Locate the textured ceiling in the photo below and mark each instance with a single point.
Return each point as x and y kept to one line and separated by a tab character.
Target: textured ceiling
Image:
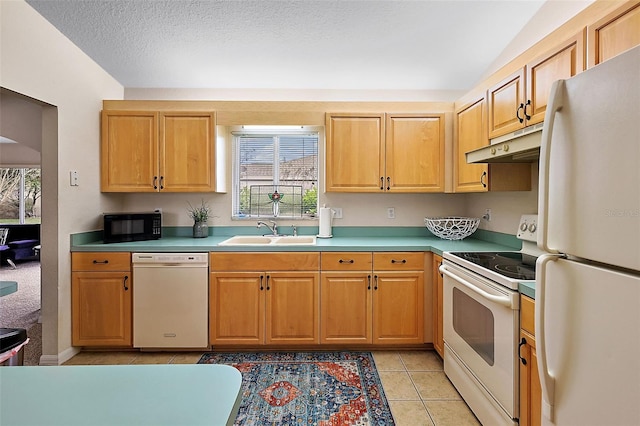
362	45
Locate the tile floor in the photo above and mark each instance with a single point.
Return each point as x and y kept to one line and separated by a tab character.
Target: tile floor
414	382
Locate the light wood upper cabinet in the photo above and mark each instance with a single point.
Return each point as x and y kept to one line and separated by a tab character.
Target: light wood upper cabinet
520	100
614	33
506	104
101	299
563	62
414	153
150	151
385	152
355	152
471	134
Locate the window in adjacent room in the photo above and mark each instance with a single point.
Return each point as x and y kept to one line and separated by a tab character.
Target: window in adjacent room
276	172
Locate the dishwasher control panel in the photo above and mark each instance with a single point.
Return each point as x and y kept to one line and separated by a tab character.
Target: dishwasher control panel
181	258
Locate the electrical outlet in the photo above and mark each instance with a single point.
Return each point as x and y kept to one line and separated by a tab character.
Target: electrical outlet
337	212
391	212
73	178
487	215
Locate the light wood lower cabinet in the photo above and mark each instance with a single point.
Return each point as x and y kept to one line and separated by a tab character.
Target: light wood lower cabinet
264	298
101	299
438	338
346	299
375	298
530	390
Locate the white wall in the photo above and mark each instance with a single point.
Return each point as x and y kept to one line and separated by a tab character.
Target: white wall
38	61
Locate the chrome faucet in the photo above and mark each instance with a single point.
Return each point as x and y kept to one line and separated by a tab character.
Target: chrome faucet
274	229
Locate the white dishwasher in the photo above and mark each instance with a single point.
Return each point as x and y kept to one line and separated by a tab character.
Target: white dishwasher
170	300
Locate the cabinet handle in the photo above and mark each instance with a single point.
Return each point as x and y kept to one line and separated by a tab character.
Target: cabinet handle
161	182
375	279
102	262
484	174
522	342
124	282
369	282
381	183
388	183
261	279
521	107
268	288
346	261
398	261
527	116
155	182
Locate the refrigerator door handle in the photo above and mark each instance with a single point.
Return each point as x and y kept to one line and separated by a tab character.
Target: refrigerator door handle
553	106
547	381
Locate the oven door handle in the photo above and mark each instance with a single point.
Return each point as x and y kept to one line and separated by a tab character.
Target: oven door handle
502	300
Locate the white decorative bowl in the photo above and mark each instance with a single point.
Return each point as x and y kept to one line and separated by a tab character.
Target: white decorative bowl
452	228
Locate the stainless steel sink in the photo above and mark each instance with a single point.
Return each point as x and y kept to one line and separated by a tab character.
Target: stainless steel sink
258	240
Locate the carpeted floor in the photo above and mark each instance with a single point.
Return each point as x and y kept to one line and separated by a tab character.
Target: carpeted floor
22	308
308	388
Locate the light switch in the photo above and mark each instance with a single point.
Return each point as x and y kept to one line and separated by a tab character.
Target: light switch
73	178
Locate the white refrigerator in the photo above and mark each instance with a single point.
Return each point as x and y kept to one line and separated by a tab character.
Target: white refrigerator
588	281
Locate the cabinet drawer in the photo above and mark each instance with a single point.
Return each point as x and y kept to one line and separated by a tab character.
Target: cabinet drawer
346	261
282	261
527	314
398	261
100	261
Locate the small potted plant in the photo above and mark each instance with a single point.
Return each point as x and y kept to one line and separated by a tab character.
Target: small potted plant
200	216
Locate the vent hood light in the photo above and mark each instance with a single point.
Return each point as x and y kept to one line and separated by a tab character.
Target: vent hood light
522	146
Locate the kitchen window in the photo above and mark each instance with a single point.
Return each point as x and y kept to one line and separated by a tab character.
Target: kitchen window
275	172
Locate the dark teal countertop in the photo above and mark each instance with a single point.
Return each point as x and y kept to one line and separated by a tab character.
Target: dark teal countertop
528	289
179	239
345	239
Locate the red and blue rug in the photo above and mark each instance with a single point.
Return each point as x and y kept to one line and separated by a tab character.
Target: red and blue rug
307	388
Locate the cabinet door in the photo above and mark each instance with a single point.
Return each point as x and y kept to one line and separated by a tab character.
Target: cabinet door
504	100
345	307
355	152
471	125
438	340
187	148
562	63
236	308
398	307
613	34
101	309
292	314
414	153
129	151
530	389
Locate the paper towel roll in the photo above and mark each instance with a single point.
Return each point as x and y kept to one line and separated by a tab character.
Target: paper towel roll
325	216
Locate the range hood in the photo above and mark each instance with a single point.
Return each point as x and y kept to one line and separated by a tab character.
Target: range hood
521	146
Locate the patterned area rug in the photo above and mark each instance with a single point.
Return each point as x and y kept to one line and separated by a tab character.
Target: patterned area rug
307	388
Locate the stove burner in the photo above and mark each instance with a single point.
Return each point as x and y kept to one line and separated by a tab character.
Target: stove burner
480	256
516	271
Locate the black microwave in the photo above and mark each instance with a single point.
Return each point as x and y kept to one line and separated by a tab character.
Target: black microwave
123	227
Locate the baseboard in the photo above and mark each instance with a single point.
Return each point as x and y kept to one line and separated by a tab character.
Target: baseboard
61	358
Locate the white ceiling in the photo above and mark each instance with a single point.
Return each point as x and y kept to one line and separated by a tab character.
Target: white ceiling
303	44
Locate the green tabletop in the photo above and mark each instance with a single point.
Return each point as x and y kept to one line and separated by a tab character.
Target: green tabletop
8	287
200	394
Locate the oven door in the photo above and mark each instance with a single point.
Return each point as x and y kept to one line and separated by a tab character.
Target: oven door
481	322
